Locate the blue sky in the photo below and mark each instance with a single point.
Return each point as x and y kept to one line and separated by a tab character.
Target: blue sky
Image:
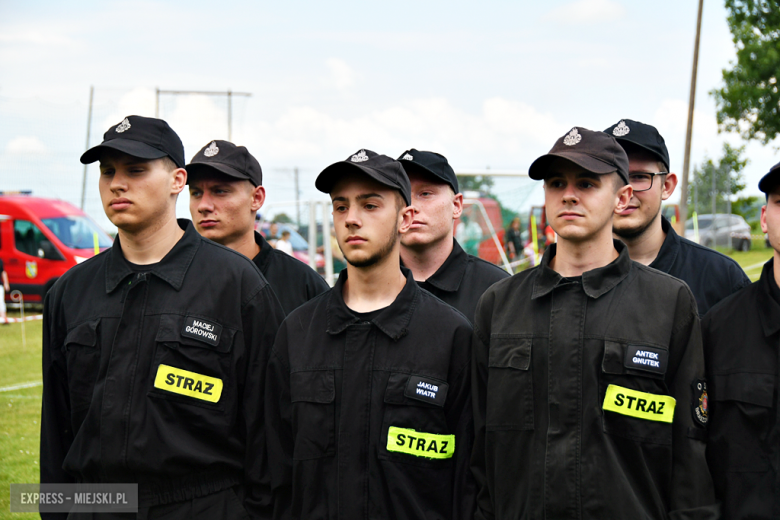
486	84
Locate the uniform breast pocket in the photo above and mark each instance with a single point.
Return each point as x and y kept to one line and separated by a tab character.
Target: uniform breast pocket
742	405
414	425
633	395
510	385
192	362
82	351
313	395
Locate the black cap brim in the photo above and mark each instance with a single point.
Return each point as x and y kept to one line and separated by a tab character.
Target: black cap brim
194	168
328	178
411	166
654	153
128	146
771	180
539	169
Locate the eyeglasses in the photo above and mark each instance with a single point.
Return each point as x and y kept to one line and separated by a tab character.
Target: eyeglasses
642	181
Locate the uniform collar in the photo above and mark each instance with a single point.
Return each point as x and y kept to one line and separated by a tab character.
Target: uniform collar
450	274
768	308
262	258
669	249
595	282
171	269
393	320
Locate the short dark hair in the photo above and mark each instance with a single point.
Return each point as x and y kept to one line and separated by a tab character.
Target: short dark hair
400	202
168	163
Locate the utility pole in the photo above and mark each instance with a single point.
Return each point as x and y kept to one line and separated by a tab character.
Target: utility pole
689	131
89	128
297	199
230	115
229	93
714	224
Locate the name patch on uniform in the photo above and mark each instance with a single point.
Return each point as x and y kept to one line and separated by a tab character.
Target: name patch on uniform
641	405
425	389
648	359
202	330
184	382
419	444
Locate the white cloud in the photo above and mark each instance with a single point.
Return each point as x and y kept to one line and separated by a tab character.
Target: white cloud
512	129
341	76
25	145
138	102
584	12
36	37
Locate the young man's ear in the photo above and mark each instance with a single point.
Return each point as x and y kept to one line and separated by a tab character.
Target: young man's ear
258	197
179	181
670	183
406	218
623	197
457	206
764	229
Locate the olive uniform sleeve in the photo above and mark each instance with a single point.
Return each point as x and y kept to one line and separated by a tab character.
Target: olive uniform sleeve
479	375
278	418
262	316
691	490
56	429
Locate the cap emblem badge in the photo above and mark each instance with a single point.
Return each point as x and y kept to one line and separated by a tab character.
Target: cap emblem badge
621	129
572	137
407	157
123	126
360	156
212	150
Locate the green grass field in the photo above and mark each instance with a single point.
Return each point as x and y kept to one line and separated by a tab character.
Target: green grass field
21	407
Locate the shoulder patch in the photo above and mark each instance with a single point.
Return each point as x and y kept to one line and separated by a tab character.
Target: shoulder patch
700	404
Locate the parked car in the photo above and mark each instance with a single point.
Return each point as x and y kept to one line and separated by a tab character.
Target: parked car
40	239
716	232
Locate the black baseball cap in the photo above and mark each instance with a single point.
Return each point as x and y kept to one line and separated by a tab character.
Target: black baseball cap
142	137
430	163
596	152
771	180
642	135
381	168
226	158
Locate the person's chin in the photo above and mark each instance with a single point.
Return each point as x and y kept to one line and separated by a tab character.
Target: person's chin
415	240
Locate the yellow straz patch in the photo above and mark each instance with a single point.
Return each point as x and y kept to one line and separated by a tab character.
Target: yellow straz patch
428	445
188	383
638	404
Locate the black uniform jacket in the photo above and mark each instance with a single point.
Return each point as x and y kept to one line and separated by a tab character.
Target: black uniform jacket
462	279
710	275
741	345
294	282
574	383
371	419
157	378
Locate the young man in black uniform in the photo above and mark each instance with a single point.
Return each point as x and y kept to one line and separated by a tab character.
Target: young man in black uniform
226	191
650	238
154	351
368	398
741	347
429	249
585	367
